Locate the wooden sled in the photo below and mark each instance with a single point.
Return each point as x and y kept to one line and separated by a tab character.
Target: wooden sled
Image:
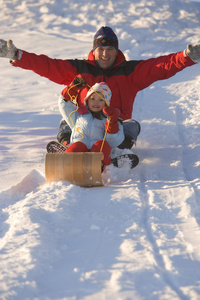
80	168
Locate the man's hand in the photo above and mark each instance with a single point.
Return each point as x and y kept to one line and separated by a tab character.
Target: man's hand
79	82
193	52
8	49
70	92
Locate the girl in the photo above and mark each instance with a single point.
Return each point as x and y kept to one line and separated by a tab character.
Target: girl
95	126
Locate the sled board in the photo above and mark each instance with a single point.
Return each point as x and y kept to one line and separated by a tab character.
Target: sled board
80	168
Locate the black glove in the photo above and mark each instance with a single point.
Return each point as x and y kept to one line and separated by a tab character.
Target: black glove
8	49
79	82
70	92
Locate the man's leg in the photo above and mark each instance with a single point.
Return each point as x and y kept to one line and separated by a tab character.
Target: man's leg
64	132
131	131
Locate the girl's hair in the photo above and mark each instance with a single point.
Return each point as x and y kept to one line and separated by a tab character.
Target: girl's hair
98	115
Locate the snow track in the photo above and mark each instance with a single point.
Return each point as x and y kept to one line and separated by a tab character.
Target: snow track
169	240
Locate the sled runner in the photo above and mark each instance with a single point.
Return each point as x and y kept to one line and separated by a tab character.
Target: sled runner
80	168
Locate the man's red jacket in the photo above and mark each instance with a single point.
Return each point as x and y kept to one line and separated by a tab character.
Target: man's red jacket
125	78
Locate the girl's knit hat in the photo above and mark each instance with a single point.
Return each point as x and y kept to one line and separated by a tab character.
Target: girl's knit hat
102	88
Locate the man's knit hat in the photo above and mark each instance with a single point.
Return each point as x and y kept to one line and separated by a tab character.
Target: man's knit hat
102	88
105	36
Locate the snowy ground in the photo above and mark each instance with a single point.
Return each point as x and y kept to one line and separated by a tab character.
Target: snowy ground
138	236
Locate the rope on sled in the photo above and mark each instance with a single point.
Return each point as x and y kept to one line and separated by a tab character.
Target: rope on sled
73	99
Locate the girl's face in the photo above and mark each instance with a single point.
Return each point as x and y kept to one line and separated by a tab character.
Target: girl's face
96	102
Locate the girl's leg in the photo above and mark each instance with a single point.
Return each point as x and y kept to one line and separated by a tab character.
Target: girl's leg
106	151
77	147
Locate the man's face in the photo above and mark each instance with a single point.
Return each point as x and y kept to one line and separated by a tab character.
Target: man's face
105	56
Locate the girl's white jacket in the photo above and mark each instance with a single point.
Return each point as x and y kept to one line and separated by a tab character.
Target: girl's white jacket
86	128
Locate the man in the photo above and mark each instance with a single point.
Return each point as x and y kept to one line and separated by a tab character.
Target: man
105	63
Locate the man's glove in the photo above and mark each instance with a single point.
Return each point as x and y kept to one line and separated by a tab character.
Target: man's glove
193	52
70	92
79	82
111	125
8	49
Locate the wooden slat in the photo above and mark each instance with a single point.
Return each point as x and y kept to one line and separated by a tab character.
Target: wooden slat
80	168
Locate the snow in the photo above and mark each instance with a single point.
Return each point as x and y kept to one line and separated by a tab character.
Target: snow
138	236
